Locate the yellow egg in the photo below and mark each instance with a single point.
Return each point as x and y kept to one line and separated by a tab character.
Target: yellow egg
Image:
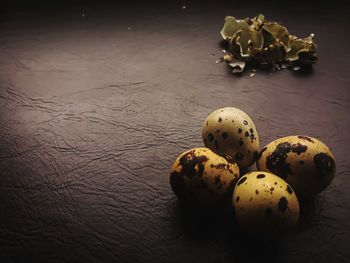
265	205
201	177
231	132
306	163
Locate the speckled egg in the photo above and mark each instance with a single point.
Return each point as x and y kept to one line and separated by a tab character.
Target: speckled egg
201	177
306	163
230	131
265	205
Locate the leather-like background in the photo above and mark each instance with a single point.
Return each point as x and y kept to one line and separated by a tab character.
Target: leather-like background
96	102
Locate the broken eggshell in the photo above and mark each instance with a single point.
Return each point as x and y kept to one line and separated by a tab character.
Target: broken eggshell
303	50
265	42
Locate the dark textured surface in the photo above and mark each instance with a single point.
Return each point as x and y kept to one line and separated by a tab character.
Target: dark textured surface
96	107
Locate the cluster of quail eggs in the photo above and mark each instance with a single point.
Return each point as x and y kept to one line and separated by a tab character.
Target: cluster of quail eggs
265	202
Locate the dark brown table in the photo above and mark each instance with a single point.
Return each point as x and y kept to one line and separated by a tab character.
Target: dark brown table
98	98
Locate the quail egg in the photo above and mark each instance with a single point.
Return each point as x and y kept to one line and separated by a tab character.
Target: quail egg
231	132
265	205
201	177
305	163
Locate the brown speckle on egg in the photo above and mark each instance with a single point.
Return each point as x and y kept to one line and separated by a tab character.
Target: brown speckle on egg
242	180
283	204
299	148
324	164
306	138
276	162
239	156
259	176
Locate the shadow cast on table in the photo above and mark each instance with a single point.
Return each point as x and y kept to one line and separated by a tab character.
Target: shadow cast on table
310	209
200	226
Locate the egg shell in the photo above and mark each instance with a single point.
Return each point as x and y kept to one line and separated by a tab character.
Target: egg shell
231	132
264	204
201	177
306	163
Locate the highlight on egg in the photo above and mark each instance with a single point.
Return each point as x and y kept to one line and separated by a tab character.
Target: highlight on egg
304	162
231	132
201	177
265	205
